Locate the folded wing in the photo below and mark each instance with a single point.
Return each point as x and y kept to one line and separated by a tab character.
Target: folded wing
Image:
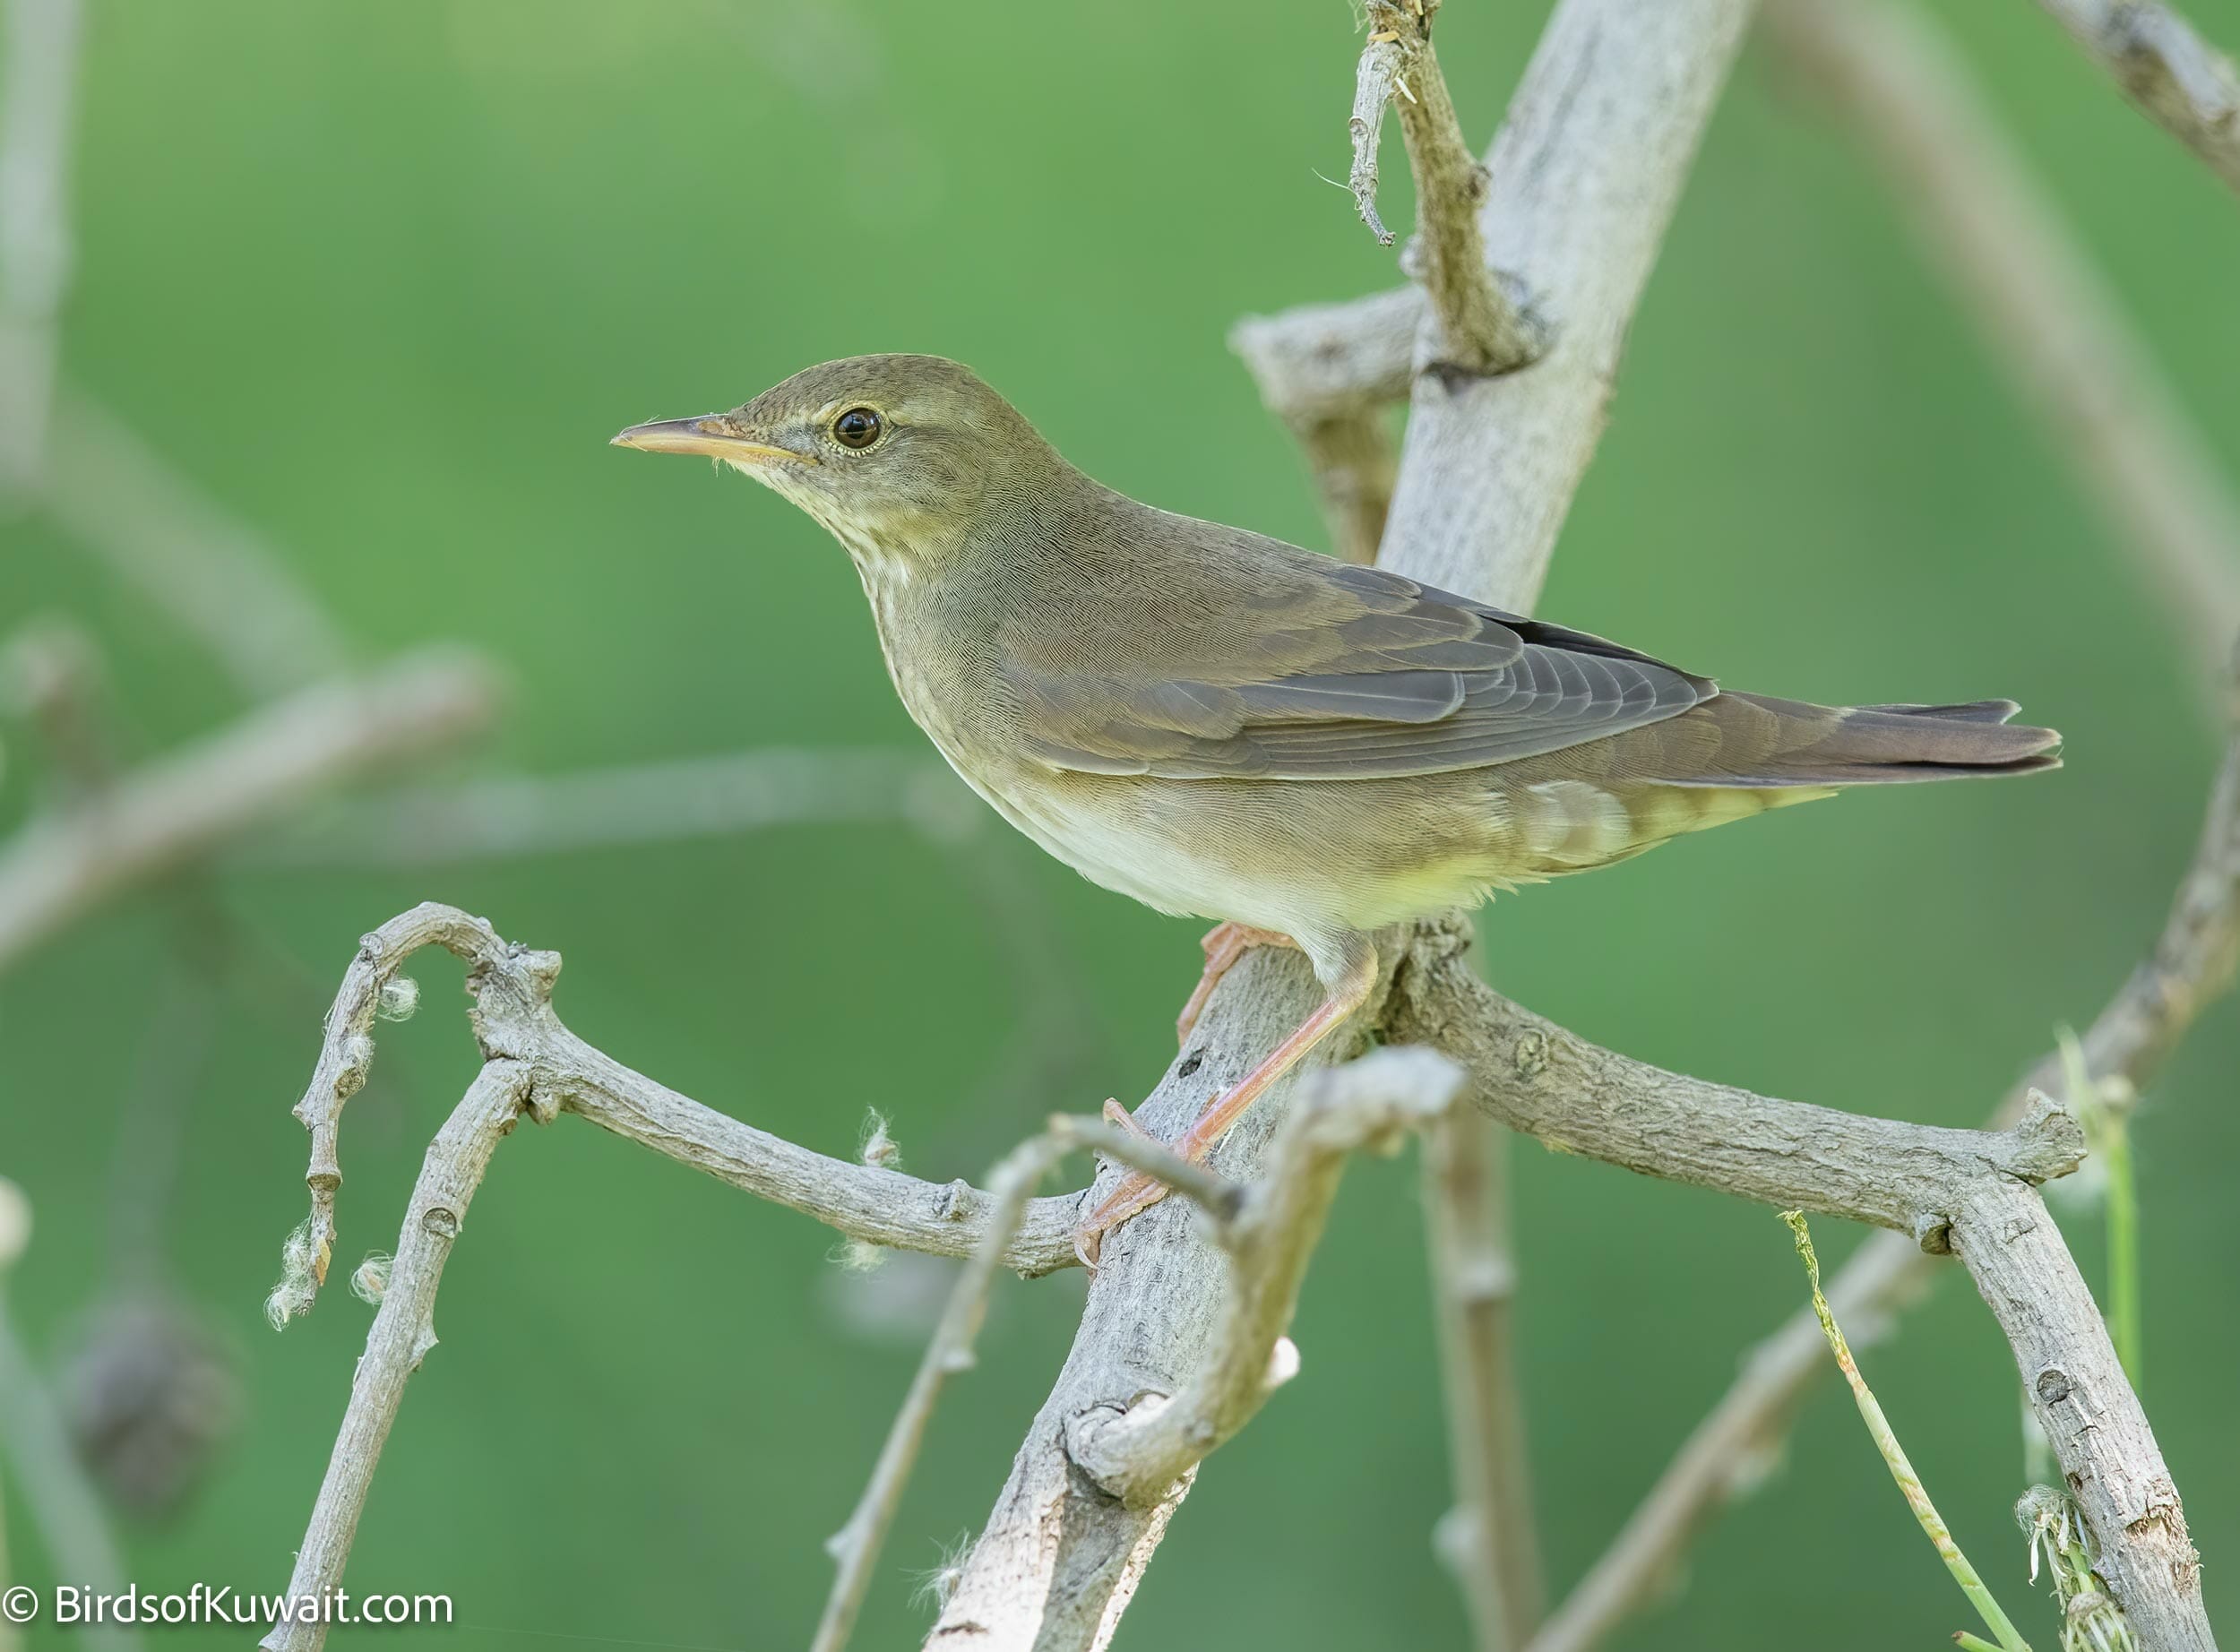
1370	677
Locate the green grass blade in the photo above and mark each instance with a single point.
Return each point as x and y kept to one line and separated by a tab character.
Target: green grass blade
1901	1467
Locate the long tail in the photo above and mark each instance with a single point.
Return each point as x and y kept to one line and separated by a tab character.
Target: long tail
1736	755
1757	741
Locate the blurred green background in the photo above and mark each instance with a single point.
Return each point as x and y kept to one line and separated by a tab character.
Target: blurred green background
384	279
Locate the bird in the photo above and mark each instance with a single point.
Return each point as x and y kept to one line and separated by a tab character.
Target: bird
1227	726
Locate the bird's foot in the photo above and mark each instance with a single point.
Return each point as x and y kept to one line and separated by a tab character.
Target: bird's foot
1224	944
1137	1193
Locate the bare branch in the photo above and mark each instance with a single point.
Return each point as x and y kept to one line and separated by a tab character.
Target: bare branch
879	1206
1373	82
1490	1537
2079	1393
2054	325
1543	1080
1306	379
1550	1084
1136	1451
855	1546
2191	965
1581	190
2178	81
533	1064
403	1331
184	804
1475	327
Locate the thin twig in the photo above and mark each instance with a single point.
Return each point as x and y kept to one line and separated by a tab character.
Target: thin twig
2054	325
864	1202
1219	1198
2178	81
403	1333
1138	1453
1493	1537
1373	77
1476	328
855	1546
187	804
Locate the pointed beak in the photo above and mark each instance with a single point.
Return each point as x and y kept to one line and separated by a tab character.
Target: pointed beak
709	436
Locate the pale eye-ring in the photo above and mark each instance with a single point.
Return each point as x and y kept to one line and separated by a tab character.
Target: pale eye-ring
858	427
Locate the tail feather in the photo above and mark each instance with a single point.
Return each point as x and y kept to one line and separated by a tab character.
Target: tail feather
1763	742
1973	711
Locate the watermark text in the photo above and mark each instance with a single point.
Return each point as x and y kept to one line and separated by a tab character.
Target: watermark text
69	1606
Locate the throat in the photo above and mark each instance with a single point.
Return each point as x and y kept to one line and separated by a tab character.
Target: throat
886	574
877	562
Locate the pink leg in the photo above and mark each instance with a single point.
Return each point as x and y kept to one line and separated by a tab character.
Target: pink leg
1224	944
1140	1192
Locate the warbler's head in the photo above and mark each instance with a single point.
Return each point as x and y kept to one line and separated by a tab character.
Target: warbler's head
896	455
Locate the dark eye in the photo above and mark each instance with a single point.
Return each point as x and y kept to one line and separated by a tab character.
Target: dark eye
856	427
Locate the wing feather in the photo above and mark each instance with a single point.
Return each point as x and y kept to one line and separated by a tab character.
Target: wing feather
1376	676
